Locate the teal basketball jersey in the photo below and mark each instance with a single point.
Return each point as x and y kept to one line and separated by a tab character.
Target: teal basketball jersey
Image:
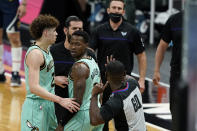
94	77
46	73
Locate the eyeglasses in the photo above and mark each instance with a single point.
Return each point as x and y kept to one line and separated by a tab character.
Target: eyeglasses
34	128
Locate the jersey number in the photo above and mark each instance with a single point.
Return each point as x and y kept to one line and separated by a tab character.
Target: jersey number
136	103
53	81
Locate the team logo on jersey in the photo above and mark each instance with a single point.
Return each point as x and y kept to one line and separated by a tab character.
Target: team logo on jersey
94	73
34	128
50	65
124	33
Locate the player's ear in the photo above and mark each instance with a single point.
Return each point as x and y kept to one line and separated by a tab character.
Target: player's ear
123	12
44	32
65	30
108	10
124	76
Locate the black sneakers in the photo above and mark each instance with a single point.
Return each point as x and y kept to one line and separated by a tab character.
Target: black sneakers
2	78
16	79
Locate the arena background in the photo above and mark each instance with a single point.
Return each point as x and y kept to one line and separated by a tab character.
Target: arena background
156	106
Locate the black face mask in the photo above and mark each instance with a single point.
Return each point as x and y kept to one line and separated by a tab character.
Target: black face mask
115	17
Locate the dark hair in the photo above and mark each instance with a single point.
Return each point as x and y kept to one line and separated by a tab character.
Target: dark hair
82	34
71	18
115	68
116	0
40	23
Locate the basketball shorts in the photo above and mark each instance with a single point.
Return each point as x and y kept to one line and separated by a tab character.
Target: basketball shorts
9	21
81	122
38	114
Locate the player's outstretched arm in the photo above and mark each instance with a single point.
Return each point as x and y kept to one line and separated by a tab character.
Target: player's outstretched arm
95	116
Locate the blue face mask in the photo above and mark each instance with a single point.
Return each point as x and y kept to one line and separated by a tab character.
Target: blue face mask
115	17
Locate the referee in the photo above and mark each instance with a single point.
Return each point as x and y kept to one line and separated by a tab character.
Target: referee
125	103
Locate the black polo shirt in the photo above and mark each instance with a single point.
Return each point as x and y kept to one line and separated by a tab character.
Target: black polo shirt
62	59
173	32
121	43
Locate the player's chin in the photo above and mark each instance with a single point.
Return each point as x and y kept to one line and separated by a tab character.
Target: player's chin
74	54
53	41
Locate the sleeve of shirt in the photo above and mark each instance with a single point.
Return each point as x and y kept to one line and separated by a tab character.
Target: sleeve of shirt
111	109
166	32
93	39
138	43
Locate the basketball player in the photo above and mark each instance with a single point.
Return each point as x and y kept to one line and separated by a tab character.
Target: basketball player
38	108
84	73
63	62
10	13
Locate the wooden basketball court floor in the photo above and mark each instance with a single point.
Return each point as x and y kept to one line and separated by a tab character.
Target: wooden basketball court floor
11	101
